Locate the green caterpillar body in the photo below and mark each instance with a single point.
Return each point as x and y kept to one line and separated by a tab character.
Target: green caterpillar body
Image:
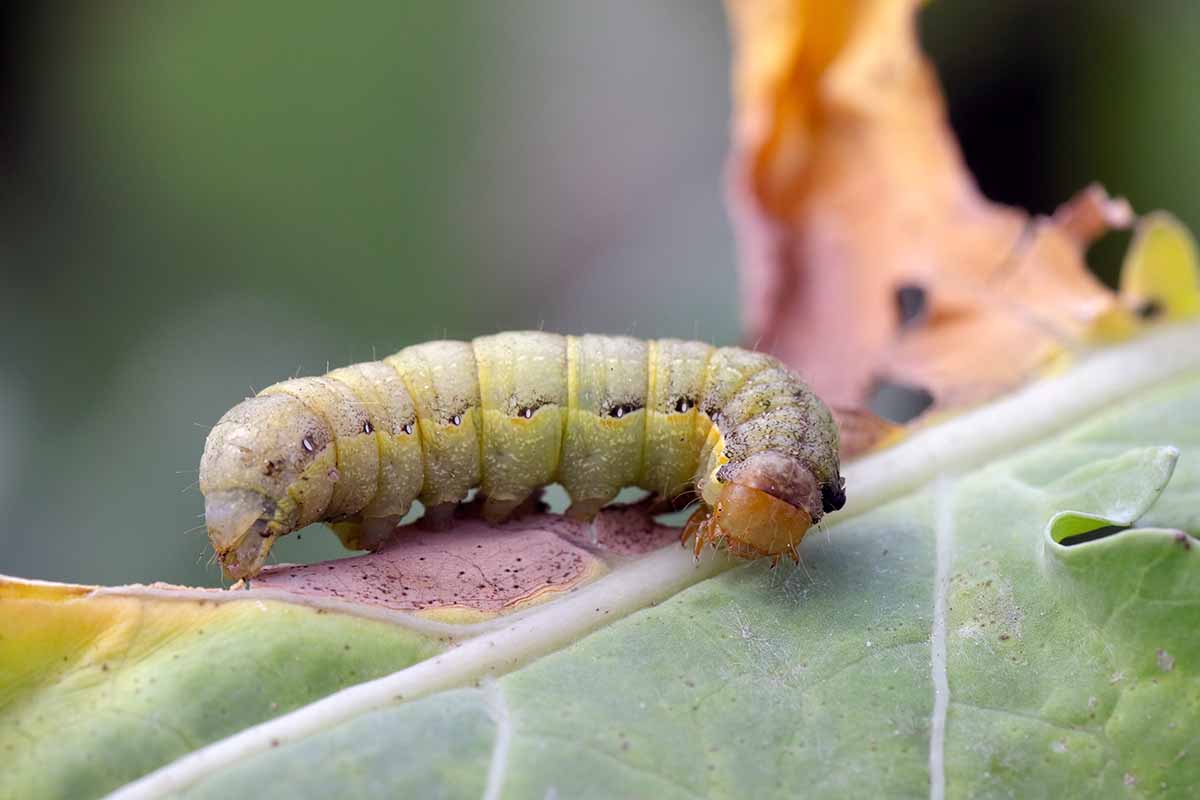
509	414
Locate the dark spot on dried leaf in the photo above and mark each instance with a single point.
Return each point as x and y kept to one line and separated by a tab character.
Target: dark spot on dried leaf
898	402
910	304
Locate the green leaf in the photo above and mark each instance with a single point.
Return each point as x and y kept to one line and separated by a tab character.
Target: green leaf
98	688
1009	606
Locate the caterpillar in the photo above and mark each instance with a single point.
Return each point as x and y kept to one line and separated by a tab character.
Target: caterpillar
510	413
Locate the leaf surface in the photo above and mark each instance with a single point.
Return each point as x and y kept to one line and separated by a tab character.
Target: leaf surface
97	687
1067	666
963	571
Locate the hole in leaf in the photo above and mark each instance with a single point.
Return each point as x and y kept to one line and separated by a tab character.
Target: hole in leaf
1102	532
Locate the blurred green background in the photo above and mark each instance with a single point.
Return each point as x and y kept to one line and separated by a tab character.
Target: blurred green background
203	198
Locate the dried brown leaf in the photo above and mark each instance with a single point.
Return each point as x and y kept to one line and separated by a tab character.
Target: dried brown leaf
850	194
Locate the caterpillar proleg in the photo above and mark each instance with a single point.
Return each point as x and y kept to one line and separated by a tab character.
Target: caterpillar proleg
510	413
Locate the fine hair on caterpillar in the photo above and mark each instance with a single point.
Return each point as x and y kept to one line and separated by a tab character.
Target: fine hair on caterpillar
511	413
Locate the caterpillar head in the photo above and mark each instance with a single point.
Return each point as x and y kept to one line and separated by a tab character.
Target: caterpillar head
766	505
265	472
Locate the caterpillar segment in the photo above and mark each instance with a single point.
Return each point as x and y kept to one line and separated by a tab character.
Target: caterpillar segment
507	415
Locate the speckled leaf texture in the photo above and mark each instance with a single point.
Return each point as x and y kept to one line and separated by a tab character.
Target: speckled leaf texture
1011	608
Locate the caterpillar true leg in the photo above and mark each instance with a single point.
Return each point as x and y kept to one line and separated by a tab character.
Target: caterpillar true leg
366	534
